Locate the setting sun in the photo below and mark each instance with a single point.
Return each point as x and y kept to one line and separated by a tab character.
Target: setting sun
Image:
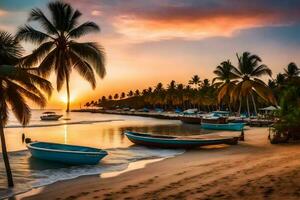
63	98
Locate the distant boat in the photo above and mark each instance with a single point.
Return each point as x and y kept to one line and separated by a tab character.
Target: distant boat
227	126
190	119
50	116
187	142
68	154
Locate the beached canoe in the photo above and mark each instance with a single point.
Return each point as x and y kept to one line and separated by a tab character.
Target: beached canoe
185	142
68	154
228	126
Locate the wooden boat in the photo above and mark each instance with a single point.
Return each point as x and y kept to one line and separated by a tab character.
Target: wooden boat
190	119
227	126
68	154
215	120
164	141
50	116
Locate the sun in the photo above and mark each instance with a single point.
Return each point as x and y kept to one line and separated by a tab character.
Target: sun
64	98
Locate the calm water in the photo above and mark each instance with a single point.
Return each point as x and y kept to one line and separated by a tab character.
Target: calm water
94	130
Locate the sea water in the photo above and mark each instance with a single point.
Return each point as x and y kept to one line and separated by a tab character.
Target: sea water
86	129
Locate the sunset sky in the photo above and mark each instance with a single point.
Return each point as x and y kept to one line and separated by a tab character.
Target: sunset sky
150	41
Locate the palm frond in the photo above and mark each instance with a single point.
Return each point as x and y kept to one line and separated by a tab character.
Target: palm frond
92	53
10	49
38	15
83	29
18	105
47	65
36	97
74	20
37	55
84	69
29	34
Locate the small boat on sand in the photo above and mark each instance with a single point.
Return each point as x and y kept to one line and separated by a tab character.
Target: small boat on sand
185	142
50	116
226	126
68	154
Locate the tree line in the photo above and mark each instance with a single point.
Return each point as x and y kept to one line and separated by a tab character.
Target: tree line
237	88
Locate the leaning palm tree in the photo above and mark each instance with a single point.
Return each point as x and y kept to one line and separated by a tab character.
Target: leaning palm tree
225	80
58	51
16	86
249	71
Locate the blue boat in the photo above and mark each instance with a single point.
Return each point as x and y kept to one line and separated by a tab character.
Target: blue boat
227	126
184	142
68	154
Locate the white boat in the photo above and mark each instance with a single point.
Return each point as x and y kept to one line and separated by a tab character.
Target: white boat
50	116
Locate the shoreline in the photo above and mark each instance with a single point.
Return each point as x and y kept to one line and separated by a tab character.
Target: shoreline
131	167
253	169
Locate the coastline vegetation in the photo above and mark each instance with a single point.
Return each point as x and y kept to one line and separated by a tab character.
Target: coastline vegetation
232	89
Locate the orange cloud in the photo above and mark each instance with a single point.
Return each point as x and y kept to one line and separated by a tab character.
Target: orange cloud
141	29
2	13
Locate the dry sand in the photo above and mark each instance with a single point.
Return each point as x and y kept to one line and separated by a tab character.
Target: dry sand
254	169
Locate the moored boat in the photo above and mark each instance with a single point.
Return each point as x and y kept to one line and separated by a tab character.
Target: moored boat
184	142
50	116
227	126
68	154
191	119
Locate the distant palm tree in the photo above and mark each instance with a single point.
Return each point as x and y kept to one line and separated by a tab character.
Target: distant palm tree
103	98
58	51
123	95
280	79
110	97
16	86
137	93
195	81
225	78
130	93
87	104
249	70
116	96
292	71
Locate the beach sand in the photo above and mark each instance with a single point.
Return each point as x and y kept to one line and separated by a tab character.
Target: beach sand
254	169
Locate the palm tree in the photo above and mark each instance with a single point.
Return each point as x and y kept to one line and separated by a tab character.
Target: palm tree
137	93
103	98
195	80
110	97
16	86
249	70
116	96
58	51
225	77
130	93
292	71
123	95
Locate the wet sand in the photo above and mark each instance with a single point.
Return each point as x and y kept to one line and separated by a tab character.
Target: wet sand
254	169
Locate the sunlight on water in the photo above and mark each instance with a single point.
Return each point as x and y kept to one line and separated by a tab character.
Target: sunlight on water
86	129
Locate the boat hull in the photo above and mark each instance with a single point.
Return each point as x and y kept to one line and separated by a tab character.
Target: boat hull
228	126
51	118
191	120
174	142
67	157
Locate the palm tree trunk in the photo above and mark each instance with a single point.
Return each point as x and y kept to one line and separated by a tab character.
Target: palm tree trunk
254	104
248	109
68	94
5	158
240	106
